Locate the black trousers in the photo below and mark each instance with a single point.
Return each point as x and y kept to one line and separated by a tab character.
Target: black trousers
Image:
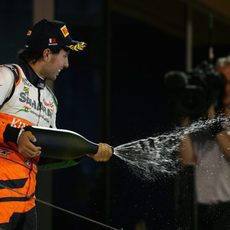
22	221
214	217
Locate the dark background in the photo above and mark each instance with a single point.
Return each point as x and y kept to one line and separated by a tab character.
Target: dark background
114	92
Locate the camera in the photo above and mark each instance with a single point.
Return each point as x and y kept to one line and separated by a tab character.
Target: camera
191	93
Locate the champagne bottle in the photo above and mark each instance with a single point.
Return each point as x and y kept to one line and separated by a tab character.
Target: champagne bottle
61	144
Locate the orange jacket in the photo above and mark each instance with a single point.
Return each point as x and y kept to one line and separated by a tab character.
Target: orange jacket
26	102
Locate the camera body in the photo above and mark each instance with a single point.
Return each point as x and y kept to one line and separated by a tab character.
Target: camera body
192	93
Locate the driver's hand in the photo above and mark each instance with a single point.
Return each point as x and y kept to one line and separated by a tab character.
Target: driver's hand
26	145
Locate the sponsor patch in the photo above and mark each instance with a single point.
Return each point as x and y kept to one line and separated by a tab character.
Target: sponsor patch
26	89
52	41
49	104
64	31
78	47
25	109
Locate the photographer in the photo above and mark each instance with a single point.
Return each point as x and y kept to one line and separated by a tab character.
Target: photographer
192	93
208	151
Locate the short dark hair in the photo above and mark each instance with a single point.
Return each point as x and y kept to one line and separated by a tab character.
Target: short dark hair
30	55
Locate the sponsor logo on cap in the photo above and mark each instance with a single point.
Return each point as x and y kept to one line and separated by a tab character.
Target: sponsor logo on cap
64	31
77	47
52	41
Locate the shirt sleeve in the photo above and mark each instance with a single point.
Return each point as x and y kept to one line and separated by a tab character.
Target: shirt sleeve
6	83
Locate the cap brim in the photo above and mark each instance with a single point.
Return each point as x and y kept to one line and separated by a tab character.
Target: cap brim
76	45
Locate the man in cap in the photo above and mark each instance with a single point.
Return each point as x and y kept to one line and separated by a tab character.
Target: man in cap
26	100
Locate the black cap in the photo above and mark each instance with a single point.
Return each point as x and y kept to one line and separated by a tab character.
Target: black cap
46	34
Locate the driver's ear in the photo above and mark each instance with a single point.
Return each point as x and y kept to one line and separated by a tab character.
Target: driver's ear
46	54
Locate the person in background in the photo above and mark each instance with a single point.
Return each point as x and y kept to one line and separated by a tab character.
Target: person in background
209	152
26	100
223	66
